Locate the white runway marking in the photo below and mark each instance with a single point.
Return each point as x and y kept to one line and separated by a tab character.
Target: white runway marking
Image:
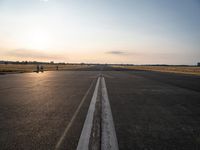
84	139
60	141
108	136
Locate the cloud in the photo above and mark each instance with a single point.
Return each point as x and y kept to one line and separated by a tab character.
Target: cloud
140	57
33	54
116	52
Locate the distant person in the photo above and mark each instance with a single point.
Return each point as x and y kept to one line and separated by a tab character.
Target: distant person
41	68
38	68
56	67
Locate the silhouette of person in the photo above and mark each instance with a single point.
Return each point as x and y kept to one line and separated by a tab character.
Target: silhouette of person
42	68
38	68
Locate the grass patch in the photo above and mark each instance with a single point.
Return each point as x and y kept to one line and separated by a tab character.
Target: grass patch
193	70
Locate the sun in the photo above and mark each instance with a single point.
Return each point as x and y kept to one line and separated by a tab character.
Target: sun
37	39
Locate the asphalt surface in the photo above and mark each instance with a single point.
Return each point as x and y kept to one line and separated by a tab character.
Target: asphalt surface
151	110
36	108
155	111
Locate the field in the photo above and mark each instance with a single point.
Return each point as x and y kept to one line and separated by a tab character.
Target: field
21	68
194	70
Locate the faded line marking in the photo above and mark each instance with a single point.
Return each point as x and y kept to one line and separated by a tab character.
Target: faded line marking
59	143
108	76
84	139
108	136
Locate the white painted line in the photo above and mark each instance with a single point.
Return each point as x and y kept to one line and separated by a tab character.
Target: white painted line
108	136
60	141
84	139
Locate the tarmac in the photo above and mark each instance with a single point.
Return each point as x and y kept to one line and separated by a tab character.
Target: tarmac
150	110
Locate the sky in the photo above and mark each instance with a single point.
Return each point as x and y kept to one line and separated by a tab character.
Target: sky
101	31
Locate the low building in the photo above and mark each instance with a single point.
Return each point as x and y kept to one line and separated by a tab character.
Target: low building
198	64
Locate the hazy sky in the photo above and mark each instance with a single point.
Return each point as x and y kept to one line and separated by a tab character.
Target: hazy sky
103	31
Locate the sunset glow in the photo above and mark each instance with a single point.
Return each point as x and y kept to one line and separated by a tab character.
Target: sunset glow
139	32
36	39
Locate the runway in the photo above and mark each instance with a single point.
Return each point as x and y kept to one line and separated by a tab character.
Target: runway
150	110
155	113
35	109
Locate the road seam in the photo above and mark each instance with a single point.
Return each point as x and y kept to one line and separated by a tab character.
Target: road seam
60	141
108	76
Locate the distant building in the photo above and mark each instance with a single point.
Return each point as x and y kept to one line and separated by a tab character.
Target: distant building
198	64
